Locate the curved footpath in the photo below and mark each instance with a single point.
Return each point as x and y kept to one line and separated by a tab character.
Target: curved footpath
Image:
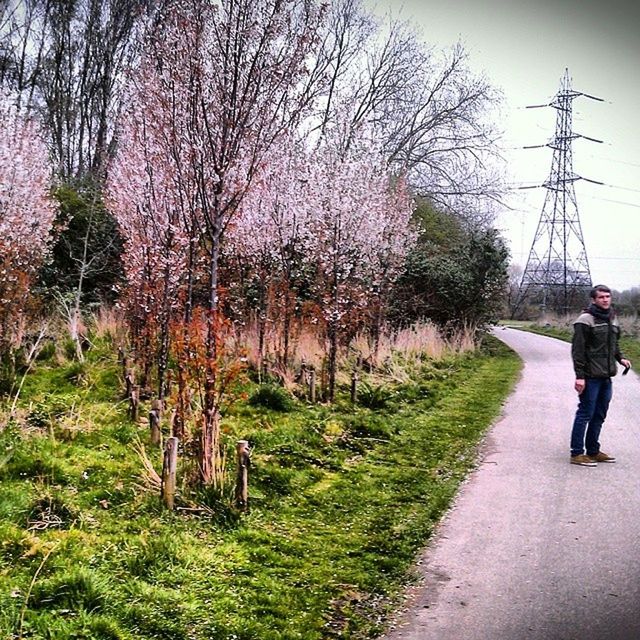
535	548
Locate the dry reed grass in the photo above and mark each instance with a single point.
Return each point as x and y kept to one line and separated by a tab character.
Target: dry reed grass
401	355
630	325
107	323
305	347
397	356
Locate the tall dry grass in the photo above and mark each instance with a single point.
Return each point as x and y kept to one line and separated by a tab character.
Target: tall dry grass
108	323
424	339
397	355
400	355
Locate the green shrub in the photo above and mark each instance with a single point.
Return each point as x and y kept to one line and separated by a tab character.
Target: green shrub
372	426
51	408
272	397
38	416
276	480
77	373
69	348
124	432
35	463
14	541
9	439
415	392
218	499
12	365
101	628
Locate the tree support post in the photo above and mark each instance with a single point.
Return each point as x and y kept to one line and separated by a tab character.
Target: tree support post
312	386
169	467
243	457
154	422
354	387
134	402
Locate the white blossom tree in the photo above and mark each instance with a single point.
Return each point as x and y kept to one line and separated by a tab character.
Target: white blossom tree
146	194
272	233
360	235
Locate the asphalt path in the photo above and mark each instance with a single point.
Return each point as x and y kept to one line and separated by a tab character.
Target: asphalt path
535	548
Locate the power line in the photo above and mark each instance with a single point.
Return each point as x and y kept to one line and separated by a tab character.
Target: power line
591	258
524	187
632	164
613	186
626	204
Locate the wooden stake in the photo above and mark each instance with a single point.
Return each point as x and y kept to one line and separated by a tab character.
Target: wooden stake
354	386
154	422
243	454
134	402
312	386
130	381
169	467
324	384
302	376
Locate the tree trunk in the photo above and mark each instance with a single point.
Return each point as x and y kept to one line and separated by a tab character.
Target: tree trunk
210	425
286	328
333	358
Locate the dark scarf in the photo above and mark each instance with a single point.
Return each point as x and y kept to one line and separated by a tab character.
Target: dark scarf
604	315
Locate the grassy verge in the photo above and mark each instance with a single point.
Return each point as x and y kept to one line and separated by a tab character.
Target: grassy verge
629	344
342	498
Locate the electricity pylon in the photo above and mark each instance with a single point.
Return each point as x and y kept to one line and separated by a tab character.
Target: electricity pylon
557	270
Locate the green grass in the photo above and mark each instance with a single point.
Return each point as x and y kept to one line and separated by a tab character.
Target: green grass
629	344
342	498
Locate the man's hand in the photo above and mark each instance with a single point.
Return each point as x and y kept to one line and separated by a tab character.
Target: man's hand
625	363
579	385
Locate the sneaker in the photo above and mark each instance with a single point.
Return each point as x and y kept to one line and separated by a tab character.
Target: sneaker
584	461
602	457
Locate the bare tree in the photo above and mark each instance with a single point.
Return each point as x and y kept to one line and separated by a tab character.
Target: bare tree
428	109
66	59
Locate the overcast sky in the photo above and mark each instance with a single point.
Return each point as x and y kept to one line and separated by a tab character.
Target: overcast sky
523	49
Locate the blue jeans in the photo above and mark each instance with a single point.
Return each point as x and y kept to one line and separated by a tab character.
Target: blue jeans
592	410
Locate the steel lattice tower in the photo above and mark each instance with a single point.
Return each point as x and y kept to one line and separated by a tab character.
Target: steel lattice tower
557	270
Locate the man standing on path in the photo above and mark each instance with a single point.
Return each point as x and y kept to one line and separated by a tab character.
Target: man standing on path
595	351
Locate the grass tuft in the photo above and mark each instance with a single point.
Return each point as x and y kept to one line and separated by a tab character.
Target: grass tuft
77	589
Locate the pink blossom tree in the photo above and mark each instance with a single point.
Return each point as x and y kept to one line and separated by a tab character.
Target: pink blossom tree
396	236
231	77
27	214
146	196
